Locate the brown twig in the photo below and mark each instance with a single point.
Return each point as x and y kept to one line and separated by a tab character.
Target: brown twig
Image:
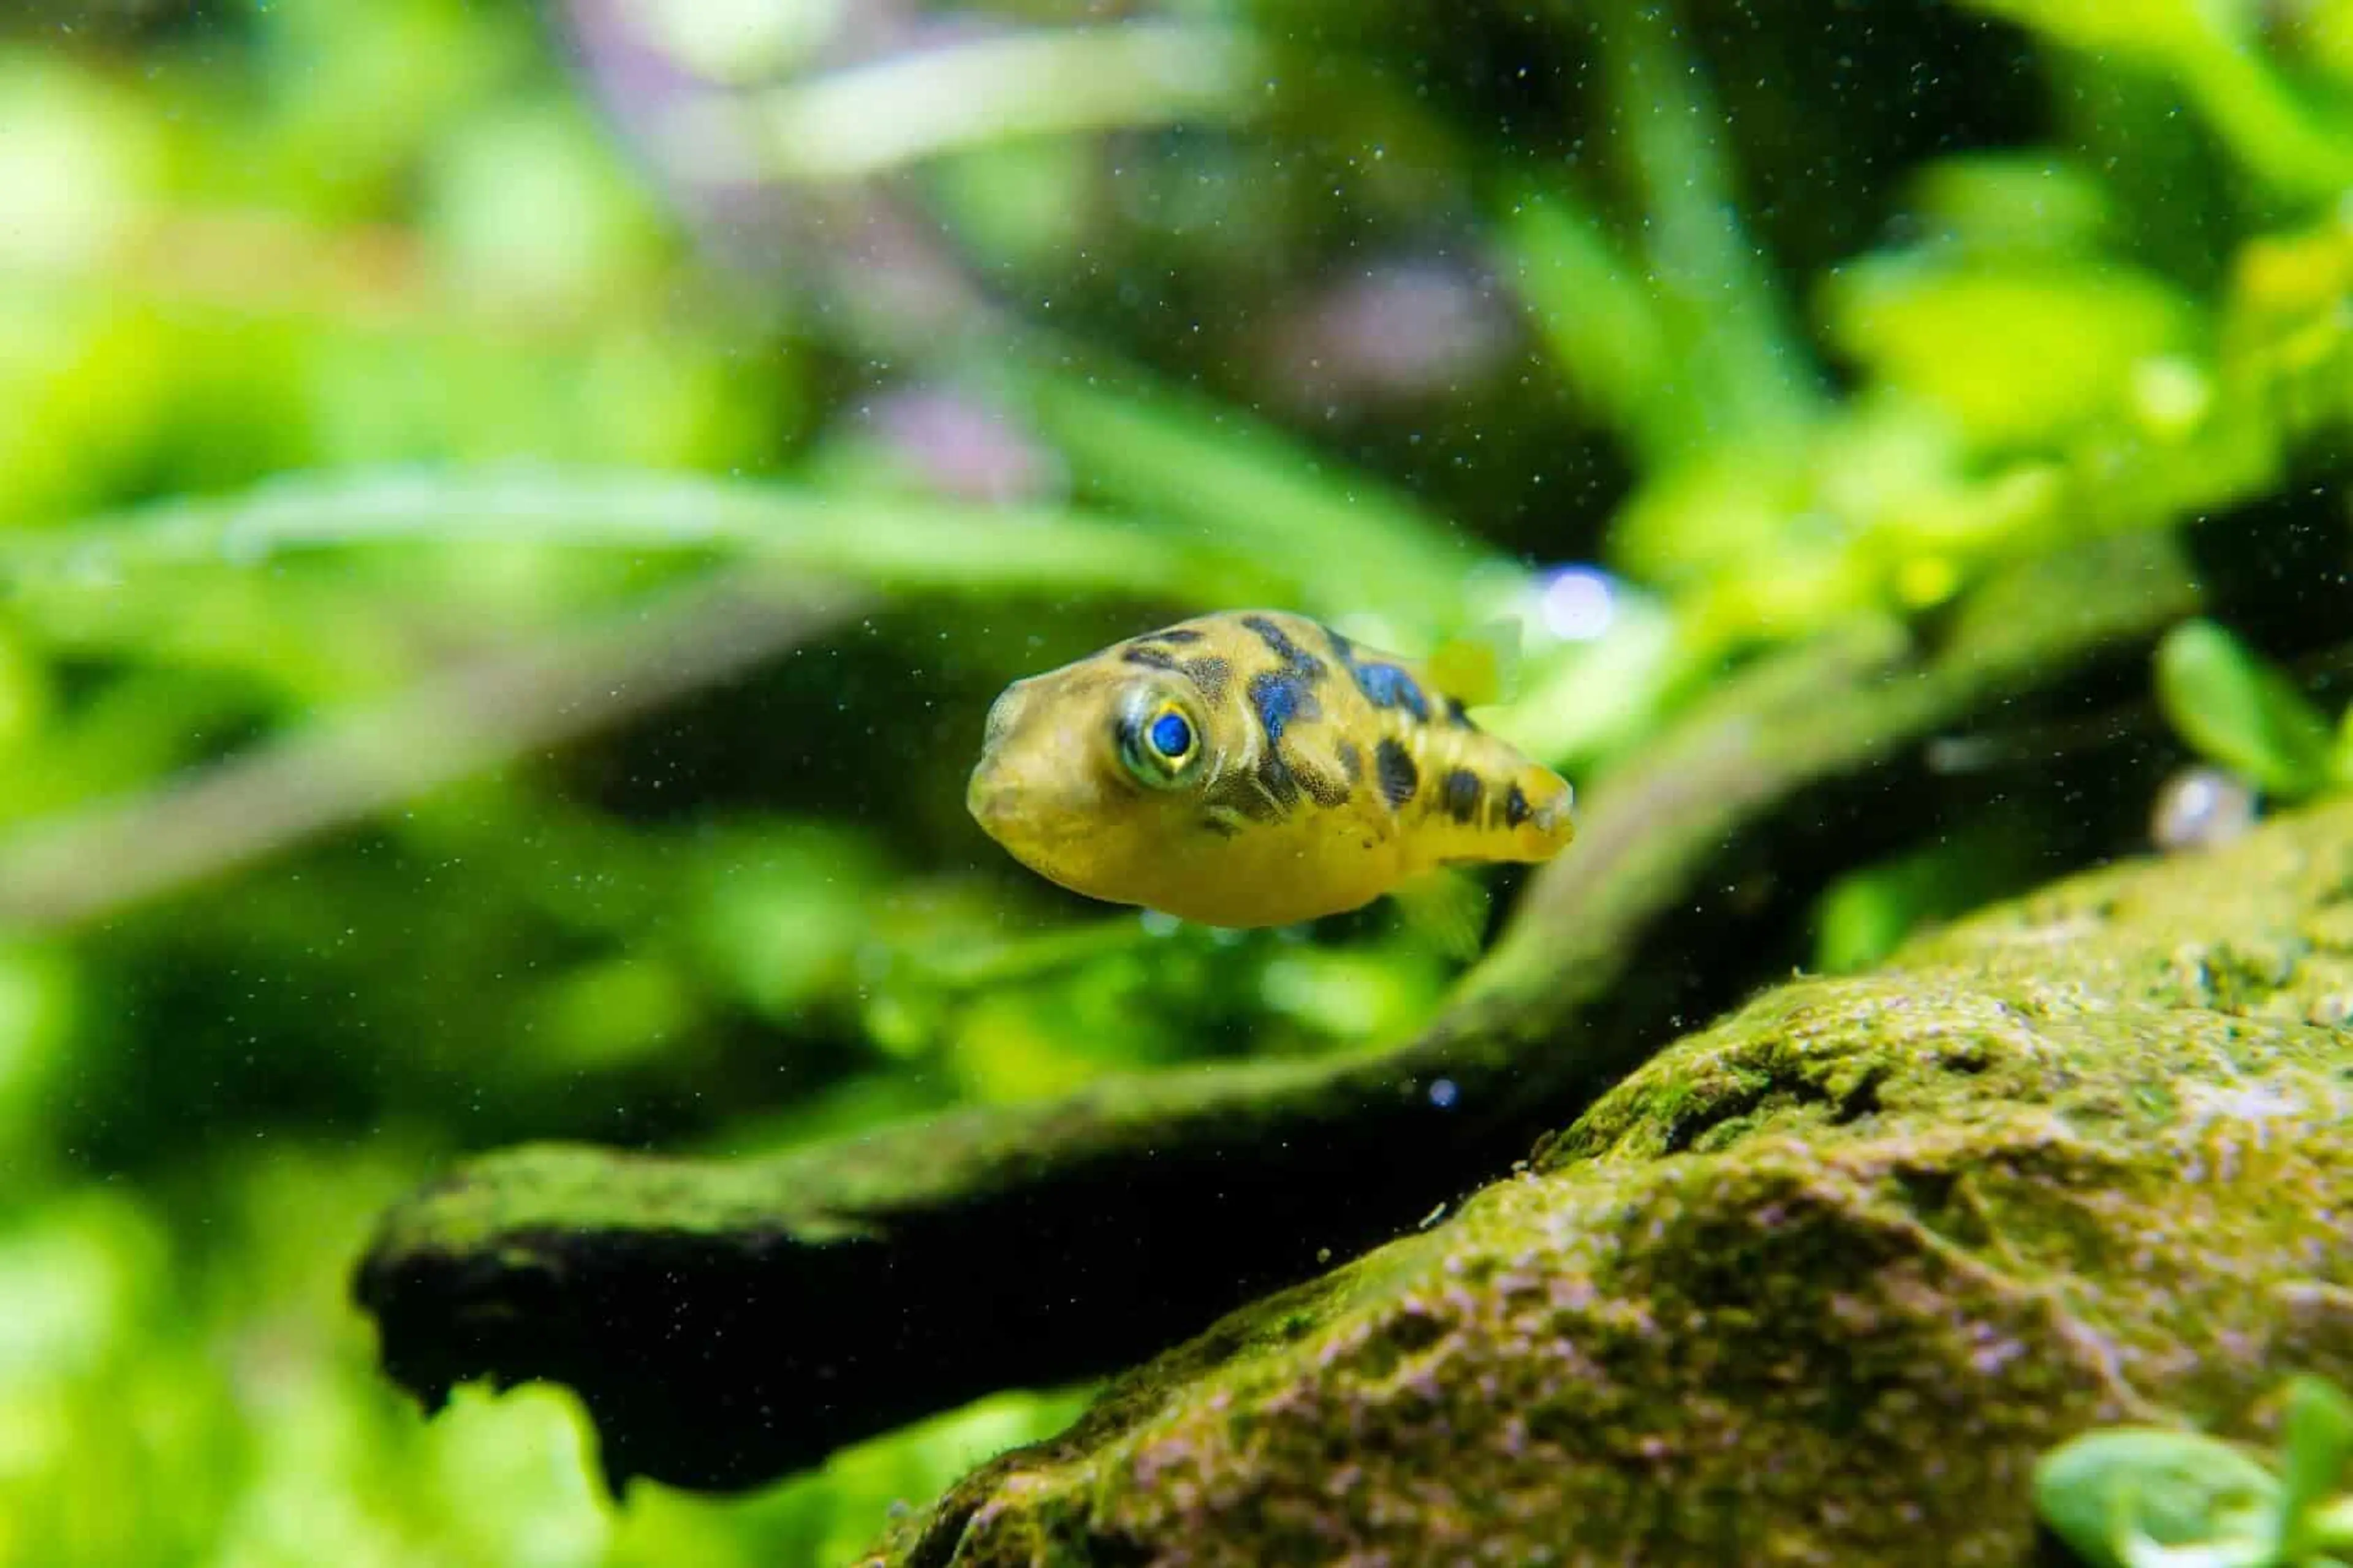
460	721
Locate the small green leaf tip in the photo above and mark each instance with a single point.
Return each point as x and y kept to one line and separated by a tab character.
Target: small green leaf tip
2132	1496
2318	1440
2238	710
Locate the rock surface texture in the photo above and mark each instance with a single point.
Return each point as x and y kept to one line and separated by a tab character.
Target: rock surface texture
1814	1286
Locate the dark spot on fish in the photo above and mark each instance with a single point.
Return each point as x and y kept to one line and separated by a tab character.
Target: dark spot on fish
1456	716
1303	666
1461	792
1386	686
1400	778
1175	635
1148	657
1352	762
1277	698
1515	808
1218	826
1210	675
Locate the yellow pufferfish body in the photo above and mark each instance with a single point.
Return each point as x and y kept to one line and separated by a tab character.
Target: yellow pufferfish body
1253	768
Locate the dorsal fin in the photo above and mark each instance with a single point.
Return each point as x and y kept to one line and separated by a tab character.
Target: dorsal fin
1478	667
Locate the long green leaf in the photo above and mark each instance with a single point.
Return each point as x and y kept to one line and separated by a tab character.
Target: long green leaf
888	544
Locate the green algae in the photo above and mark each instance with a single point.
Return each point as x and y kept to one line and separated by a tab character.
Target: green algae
1818	1284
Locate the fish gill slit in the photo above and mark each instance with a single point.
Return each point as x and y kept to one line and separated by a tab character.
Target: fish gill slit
1246	795
1236	790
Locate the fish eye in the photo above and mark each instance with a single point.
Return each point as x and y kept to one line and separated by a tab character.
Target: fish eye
1158	744
1170	735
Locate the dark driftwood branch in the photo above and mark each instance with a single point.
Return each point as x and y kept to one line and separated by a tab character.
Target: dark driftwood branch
727	1323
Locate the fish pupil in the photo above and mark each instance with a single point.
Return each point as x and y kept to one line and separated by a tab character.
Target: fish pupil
1170	735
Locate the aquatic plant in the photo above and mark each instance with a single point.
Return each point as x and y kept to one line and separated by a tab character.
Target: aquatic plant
2133	1496
2236	708
510	518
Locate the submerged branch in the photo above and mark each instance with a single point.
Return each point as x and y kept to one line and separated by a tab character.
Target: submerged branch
729	1321
459	722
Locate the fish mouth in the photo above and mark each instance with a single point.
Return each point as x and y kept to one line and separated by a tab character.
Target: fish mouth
1004	810
1035	838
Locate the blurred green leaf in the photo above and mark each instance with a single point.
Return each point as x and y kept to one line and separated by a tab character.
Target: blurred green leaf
2210	49
900	544
1975	340
2120	1495
1732	342
1586	298
41	1012
1865	915
2315	1442
622	1009
866	119
1347	545
2010	204
2236	709
782	911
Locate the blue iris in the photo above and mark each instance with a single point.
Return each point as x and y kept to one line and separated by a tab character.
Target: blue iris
1170	735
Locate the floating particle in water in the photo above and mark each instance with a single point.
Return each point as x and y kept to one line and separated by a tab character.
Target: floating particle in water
2201	808
1442	1092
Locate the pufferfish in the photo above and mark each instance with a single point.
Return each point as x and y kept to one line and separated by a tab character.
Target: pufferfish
1257	768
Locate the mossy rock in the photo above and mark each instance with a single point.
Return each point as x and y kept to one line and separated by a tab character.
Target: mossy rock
1815	1286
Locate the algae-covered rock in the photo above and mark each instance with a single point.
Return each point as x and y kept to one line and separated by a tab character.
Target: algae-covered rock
1817	1285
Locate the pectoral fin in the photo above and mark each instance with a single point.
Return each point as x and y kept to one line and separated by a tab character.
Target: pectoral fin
1447	908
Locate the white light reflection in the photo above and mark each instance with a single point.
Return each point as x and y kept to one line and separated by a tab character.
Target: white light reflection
1579	602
